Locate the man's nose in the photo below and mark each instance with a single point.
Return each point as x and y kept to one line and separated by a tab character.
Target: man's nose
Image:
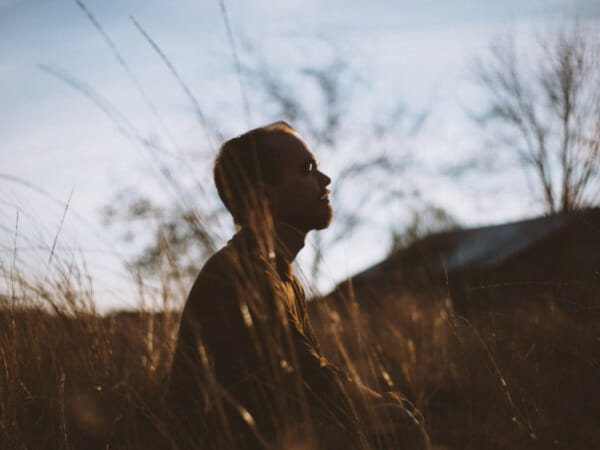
325	180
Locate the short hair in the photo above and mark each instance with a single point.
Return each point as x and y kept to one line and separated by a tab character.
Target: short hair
246	160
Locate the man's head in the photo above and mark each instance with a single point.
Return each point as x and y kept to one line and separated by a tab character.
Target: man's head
273	163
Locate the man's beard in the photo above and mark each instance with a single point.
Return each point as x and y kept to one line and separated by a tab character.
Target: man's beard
321	221
326	219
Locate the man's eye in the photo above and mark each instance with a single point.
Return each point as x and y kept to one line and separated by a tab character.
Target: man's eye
310	167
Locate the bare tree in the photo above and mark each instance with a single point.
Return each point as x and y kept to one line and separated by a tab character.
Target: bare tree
545	105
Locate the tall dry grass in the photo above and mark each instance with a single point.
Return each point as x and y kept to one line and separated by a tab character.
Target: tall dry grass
524	377
71	378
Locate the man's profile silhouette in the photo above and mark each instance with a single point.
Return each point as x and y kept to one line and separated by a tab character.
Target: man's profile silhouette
248	371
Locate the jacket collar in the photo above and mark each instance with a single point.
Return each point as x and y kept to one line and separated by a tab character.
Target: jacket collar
248	243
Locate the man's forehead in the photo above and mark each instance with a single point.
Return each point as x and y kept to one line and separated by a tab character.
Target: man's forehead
291	148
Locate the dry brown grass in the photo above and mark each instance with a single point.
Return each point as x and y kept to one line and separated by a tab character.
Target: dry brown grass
525	377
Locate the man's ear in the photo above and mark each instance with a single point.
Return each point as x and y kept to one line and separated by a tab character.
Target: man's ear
260	196
264	189
261	209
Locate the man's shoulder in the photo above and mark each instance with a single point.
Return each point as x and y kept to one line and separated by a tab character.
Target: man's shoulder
228	275
214	283
220	267
231	264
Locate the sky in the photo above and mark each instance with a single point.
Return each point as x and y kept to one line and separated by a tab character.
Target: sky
59	146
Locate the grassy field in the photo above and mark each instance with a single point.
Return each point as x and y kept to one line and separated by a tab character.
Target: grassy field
521	378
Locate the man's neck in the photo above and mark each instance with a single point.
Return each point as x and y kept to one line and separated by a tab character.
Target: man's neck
282	238
289	240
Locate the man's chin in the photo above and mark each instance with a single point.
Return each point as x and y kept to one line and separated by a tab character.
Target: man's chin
307	222
326	221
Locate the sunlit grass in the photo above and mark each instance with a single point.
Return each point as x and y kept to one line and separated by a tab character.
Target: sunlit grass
523	377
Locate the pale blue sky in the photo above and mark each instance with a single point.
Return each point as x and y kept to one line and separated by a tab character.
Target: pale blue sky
55	138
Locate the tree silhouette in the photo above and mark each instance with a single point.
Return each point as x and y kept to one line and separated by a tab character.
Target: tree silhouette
545	106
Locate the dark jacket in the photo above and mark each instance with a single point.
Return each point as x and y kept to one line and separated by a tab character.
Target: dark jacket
247	361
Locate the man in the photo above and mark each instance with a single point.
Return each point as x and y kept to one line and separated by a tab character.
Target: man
248	371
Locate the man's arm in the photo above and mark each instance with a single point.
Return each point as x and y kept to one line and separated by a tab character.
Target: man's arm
332	389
